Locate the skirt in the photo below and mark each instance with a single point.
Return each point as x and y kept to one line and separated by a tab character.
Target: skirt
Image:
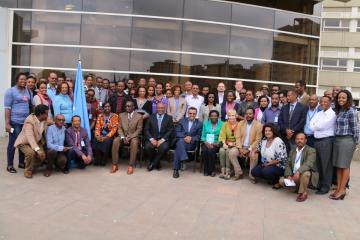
343	151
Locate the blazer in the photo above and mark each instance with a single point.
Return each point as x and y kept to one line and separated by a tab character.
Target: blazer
255	134
147	107
297	121
130	129
171	109
113	102
304	100
182	130
244	106
223	110
166	131
32	132
70	140
307	163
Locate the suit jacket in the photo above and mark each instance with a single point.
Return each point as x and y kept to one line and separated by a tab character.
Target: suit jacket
32	132
130	129
305	99
244	106
182	130
255	134
113	102
307	163
171	110
223	110
70	140
166	131
297	121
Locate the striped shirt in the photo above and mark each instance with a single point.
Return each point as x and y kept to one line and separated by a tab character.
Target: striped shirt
347	124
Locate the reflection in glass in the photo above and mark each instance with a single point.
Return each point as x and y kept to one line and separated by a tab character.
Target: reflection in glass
207	10
155	62
251	43
22	27
68	5
206	38
203	65
107	59
8	3
102	30
298	49
156	34
169	8
250	15
291	22
21	55
248	69
54	56
112	6
291	73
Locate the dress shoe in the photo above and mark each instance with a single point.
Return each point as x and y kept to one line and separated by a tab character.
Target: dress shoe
114	168
28	174
237	177
11	169
21	165
213	174
158	167
65	170
206	174
176	174
276	186
150	167
301	197
130	170
47	173
321	192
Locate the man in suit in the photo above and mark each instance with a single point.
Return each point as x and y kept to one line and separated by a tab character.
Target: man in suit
301	167
31	139
221	92
77	138
245	104
101	94
292	119
159	130
248	135
303	97
119	98
130	127
188	133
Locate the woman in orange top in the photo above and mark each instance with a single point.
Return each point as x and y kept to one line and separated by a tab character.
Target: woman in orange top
105	129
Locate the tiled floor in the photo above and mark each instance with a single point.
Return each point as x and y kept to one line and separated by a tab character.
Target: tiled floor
94	204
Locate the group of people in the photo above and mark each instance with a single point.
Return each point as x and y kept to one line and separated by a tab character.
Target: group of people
287	137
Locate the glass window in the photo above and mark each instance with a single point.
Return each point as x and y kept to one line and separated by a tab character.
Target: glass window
21	55
249	15
291	22
334	64
113	6
55	28
208	10
156	34
251	43
298	49
169	8
107	59
336	25
291	73
8	3
204	65
155	62
68	5
96	30
206	38
357	63
248	69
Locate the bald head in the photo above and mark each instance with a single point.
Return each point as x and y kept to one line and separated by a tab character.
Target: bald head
313	101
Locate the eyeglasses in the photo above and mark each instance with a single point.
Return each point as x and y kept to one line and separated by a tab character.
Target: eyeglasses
128	106
60	119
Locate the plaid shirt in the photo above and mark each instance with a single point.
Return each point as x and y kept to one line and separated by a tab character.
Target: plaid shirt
347	124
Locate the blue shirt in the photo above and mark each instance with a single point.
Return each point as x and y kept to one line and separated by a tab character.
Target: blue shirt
55	138
347	124
63	105
51	92
271	116
18	100
309	115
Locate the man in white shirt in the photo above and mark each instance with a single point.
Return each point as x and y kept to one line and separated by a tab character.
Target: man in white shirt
323	126
194	100
221	92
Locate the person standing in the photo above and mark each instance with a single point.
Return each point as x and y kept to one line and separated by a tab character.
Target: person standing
210	103
313	108
271	114
177	105
195	100
31	140
93	107
62	103
17	103
143	105
238	87
247	103
346	139
303	97
159	97
119	98
42	98
228	104
55	149
221	93
187	89
101	94
323	127
263	104
52	85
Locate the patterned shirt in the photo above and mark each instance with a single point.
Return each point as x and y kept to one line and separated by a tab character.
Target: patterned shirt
347	124
106	126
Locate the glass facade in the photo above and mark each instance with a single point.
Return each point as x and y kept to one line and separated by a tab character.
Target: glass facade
175	40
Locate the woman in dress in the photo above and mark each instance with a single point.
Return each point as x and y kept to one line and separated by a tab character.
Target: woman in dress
210	103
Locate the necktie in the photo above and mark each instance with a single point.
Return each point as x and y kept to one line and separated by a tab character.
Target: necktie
291	109
159	123
129	117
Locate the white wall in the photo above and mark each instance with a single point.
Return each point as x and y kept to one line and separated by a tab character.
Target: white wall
5	60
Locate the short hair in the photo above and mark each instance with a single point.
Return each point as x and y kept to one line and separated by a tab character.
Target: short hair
231	92
19	75
292	91
273	129
90	90
40	109
275	85
138	89
192	108
40	83
58	89
98	77
130	101
250	108
301	83
327	98
105	79
31	77
120	82
214	111
298	133
231	111
275	94
75	116
158	83
284	92
87	76
177	86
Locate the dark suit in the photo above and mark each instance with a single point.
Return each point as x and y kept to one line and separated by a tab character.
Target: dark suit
113	102
77	151
181	147
166	132
295	122
223	110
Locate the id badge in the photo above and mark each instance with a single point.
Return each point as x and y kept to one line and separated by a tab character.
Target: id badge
82	143
100	104
276	119
90	116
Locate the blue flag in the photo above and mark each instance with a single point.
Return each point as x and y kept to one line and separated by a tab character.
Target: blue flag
79	104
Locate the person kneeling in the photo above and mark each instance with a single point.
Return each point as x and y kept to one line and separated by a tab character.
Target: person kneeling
300	170
31	139
188	132
78	139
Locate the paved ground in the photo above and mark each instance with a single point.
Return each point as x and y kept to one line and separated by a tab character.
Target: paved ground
93	204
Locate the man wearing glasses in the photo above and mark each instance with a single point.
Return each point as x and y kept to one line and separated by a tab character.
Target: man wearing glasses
55	138
52	84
